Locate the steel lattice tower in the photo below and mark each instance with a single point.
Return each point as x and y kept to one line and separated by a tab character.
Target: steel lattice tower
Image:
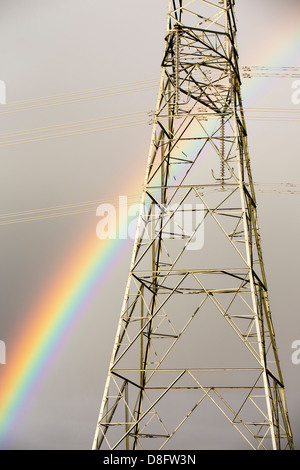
195	340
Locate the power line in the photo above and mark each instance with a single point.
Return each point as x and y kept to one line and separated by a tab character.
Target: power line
74	97
78	132
252	114
90	90
91	206
71	124
125	88
256	71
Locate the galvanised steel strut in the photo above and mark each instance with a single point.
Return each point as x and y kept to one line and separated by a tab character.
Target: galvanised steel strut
194	361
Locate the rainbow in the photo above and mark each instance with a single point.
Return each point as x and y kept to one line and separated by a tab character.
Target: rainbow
83	274
54	317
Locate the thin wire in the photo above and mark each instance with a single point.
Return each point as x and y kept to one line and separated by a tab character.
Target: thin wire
122	116
87	98
18	133
19	217
120	126
72	124
256	71
65	206
81	132
290	110
48	216
115	87
266	67
271	118
92	90
9	108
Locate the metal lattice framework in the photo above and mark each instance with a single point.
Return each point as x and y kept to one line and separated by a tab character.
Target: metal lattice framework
195	339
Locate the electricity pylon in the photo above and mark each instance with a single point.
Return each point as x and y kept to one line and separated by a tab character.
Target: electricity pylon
195	340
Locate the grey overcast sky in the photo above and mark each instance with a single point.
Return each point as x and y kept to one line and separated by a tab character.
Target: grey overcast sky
56	47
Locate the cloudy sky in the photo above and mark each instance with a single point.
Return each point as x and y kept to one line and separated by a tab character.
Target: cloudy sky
53	53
